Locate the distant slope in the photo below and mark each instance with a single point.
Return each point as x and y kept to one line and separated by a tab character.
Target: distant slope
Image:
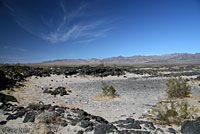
176	58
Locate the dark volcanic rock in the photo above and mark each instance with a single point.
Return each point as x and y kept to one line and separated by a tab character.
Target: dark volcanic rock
73	122
128	120
18	114
85	124
104	129
147	124
50	132
198	78
7	107
63	123
11	117
191	127
3	81
5	98
101	120
159	130
58	90
133	132
3	122
89	129
12	81
171	130
80	132
130	126
60	110
30	117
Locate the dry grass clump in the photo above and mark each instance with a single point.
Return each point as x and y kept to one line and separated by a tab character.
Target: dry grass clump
46	121
177	88
48	118
103	97
172	112
108	90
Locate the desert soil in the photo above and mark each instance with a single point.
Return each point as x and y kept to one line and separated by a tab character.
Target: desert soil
137	94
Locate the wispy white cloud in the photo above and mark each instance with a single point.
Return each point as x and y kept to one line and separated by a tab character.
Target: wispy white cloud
78	32
73	25
14	48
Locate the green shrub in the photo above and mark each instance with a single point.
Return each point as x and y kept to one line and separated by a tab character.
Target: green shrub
45	69
172	113
112	91
108	90
55	67
105	88
101	65
177	88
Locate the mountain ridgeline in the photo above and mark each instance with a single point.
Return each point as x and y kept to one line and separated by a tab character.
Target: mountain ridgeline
176	58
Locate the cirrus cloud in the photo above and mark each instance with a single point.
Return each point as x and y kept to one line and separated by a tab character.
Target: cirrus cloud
72	24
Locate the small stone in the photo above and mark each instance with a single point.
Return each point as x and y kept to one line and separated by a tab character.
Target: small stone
64	123
11	117
30	117
159	130
104	129
80	132
3	122
89	129
171	130
50	132
85	124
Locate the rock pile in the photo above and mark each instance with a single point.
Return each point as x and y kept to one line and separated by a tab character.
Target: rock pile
7	83
56	91
5	98
77	117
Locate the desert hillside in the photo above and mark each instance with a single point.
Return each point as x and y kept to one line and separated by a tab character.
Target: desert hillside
178	58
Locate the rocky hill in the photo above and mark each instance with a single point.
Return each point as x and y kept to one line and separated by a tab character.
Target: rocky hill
176	58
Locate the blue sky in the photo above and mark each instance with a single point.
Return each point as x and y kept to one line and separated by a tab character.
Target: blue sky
40	30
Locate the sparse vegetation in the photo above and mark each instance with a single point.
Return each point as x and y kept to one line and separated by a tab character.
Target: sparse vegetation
172	113
55	66
108	90
45	69
47	121
49	118
177	88
101	65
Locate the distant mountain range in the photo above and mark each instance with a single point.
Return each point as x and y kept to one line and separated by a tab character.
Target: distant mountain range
176	58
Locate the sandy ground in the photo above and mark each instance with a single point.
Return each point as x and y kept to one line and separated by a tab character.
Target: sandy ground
137	94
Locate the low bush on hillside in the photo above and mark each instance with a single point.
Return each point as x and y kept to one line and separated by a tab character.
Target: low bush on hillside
172	113
108	90
177	88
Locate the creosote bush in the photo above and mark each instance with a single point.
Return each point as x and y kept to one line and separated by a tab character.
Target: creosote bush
176	111
108	90
172	113
177	88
